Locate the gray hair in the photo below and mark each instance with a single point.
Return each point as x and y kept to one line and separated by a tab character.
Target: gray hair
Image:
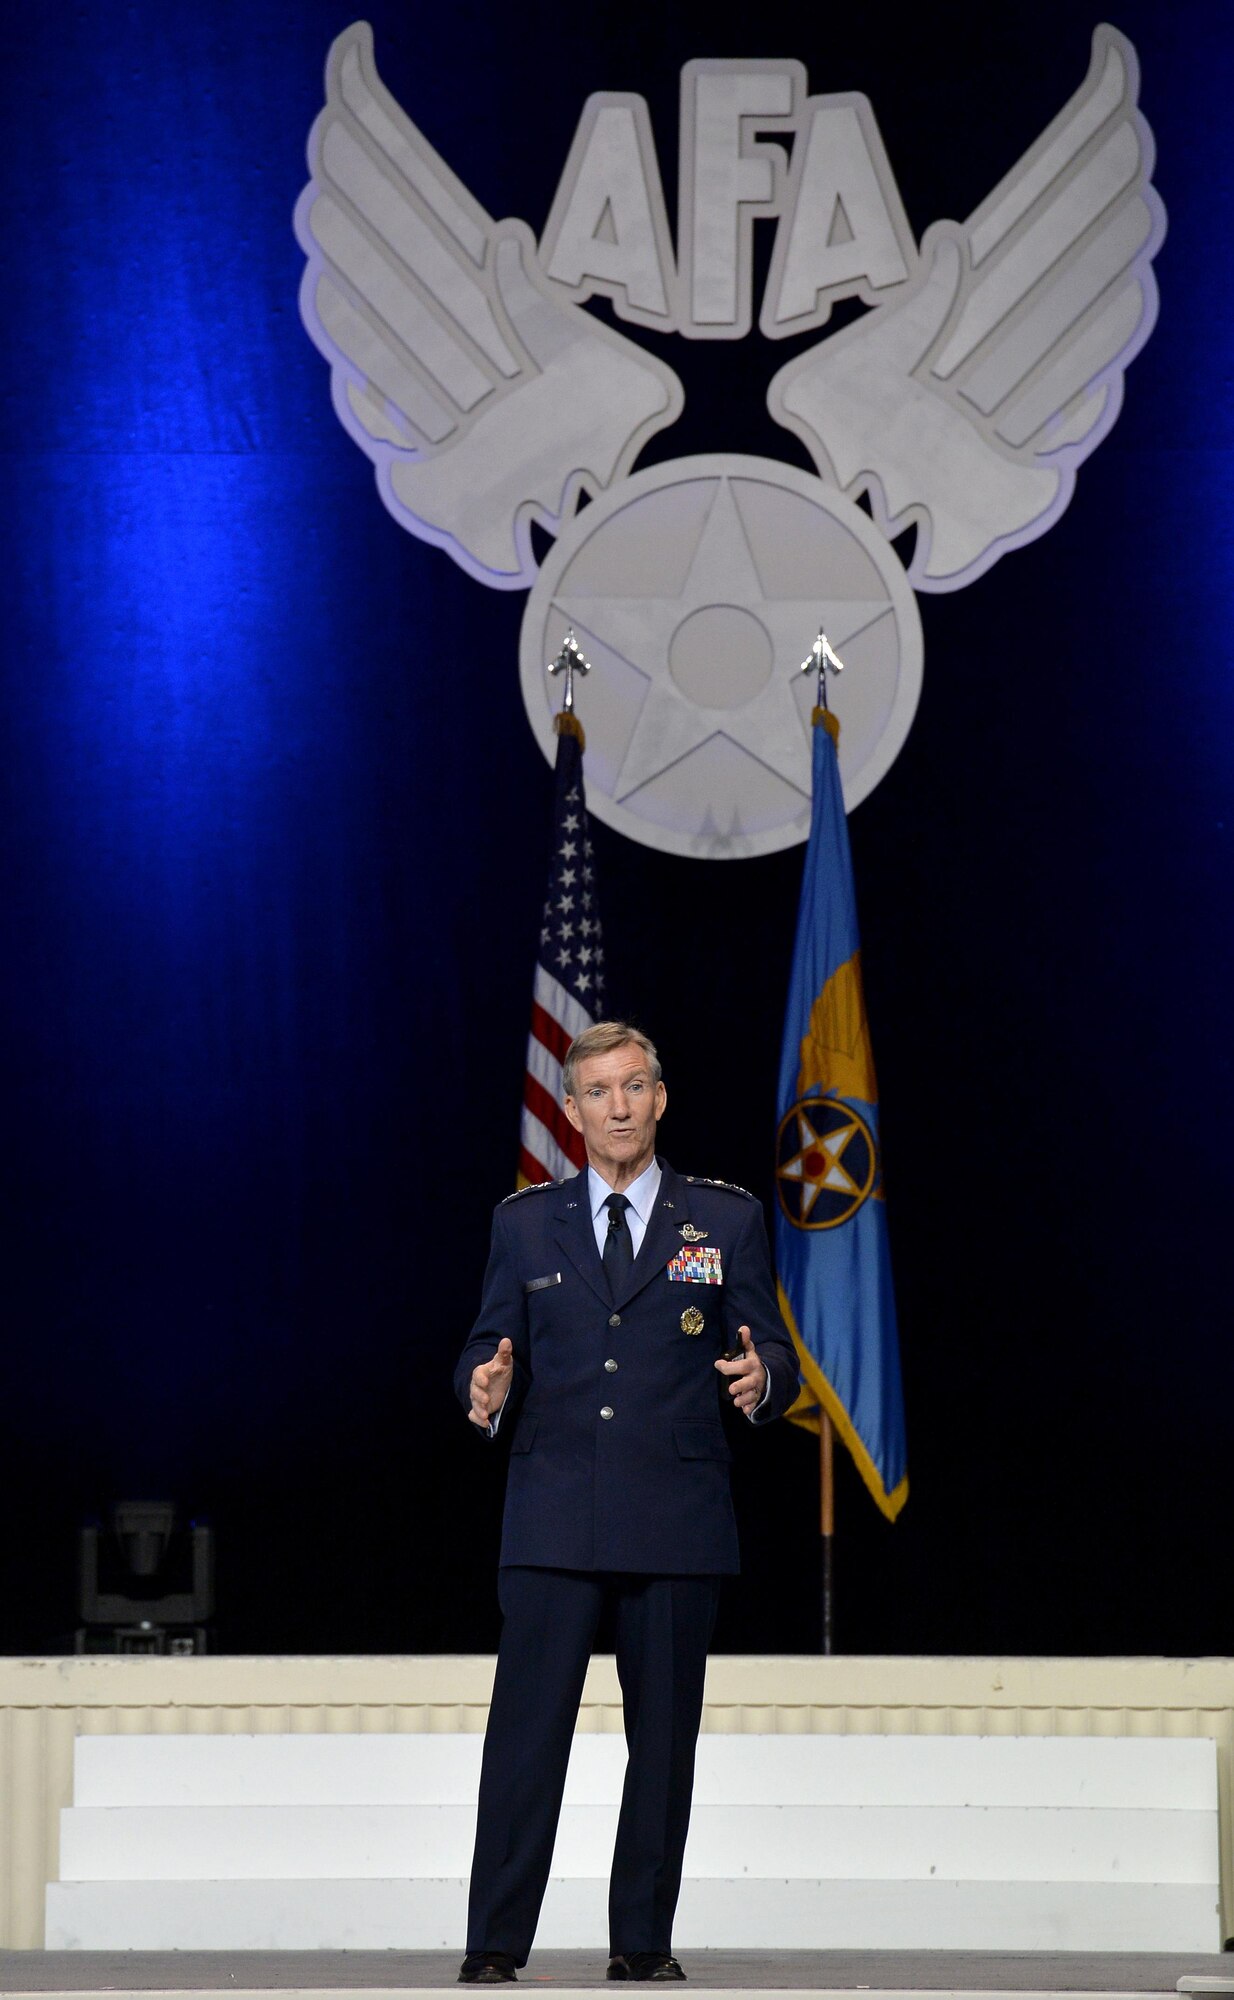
600	1040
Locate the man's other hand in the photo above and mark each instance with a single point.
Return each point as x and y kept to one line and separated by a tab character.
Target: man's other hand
749	1377
490	1385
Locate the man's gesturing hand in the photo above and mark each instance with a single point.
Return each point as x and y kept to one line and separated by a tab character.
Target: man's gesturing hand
490	1385
749	1377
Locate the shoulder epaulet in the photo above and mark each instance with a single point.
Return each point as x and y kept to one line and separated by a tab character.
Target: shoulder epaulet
532	1187
730	1187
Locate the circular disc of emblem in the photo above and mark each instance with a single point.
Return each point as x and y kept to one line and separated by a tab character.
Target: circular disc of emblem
825	1162
696	589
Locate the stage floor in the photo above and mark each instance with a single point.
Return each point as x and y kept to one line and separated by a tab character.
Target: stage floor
889	1975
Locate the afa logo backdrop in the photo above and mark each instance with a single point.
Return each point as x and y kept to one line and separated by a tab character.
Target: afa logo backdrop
959	408
277	818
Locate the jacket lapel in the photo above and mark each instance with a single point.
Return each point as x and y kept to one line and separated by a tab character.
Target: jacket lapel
575	1236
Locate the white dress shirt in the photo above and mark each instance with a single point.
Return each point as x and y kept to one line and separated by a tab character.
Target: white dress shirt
641	1195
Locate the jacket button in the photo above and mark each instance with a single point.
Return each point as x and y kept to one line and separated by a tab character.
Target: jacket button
606	1412
610	1368
614	1319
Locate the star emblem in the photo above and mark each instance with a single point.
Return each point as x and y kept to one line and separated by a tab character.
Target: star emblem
696	586
717	653
826	1160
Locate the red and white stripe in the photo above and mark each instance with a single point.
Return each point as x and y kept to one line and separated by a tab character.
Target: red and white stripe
550	1149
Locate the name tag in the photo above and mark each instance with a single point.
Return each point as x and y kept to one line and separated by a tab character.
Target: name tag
538	1284
697	1264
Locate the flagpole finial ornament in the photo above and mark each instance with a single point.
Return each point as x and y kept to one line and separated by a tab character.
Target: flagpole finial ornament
569	661
821	656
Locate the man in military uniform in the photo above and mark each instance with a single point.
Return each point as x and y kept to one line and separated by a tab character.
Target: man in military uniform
620	1311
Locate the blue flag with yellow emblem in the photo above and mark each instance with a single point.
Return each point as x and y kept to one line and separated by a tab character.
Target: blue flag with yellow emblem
832	1261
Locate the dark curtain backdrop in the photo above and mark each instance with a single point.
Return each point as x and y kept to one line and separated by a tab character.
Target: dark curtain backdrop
276	840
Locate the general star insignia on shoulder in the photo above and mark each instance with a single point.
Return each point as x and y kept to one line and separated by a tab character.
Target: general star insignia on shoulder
701	1180
532	1187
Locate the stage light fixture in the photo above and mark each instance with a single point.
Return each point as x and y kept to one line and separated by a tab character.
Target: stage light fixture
145	1586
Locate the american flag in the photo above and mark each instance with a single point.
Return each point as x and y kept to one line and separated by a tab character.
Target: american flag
567	993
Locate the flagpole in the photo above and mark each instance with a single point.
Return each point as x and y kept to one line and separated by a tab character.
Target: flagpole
821	656
567	989
827	1516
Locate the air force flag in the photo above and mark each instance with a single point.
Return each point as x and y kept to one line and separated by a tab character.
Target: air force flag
832	1261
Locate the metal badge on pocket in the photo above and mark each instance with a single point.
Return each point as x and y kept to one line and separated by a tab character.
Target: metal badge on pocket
539	1284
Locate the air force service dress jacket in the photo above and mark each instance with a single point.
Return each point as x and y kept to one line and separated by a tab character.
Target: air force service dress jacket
618	1458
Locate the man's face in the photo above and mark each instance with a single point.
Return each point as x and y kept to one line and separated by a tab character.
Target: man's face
617	1107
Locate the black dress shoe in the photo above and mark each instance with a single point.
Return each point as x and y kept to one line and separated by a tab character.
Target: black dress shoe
643	1965
486	1968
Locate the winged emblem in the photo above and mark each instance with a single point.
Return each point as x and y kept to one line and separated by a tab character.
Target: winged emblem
481	395
965	403
961	404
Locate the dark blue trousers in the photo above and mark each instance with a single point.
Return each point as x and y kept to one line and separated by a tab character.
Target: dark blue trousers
663	1628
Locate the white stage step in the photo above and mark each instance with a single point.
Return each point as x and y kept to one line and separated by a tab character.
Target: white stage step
312	1842
879	1843
736	1915
414	1769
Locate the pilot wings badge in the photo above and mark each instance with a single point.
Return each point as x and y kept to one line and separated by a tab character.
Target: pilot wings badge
988	365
